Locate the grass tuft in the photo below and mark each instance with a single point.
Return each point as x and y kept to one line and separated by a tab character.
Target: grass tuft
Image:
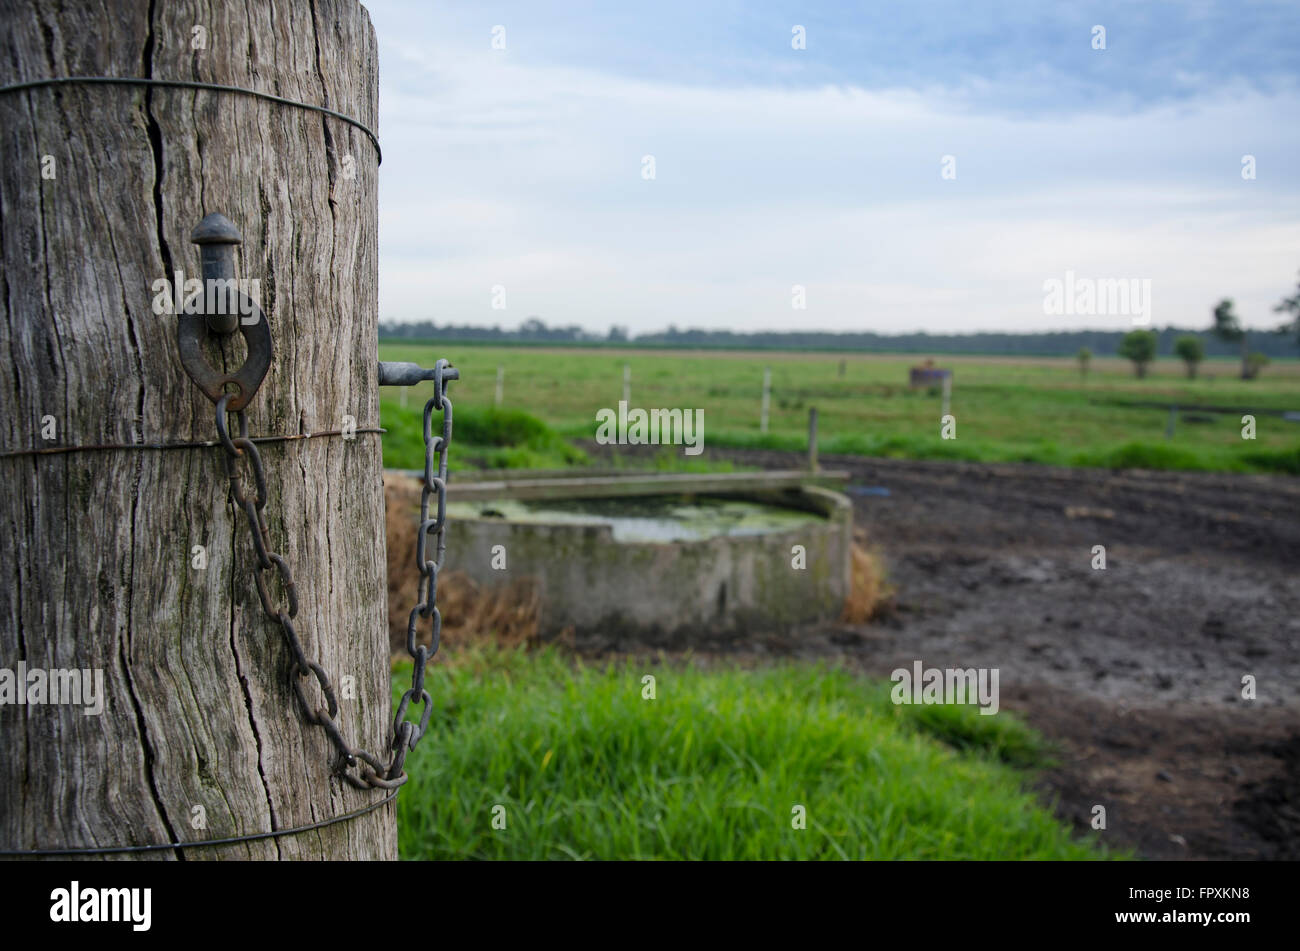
585	767
483	438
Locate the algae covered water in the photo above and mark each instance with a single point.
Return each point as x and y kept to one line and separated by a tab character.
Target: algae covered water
650	519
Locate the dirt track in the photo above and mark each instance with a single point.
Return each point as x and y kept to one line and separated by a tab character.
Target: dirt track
1136	670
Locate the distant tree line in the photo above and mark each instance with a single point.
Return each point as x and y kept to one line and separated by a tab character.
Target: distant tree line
1057	343
532	330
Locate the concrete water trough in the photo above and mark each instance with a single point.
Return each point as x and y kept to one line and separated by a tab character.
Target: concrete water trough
664	558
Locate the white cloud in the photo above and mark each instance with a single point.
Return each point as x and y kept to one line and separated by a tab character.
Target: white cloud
498	171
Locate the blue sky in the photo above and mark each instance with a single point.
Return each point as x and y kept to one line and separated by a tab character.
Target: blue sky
522	168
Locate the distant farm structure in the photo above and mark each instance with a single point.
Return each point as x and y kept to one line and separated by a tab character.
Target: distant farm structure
929	375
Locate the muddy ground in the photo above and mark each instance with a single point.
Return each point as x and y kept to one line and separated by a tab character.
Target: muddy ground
1135	671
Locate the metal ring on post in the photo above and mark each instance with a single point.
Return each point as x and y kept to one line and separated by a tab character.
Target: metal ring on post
190	331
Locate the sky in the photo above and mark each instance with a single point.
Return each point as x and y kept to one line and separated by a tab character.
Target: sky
917	166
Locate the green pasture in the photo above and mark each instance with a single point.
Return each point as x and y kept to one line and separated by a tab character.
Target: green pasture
1006	408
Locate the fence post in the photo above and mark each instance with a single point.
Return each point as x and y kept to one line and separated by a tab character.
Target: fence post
501	385
812	439
149	584
767	397
627	384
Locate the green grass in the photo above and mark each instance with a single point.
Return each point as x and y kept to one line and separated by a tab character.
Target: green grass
482	438
1007	409
585	768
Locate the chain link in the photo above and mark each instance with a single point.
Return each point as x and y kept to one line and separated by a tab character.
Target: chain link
370	770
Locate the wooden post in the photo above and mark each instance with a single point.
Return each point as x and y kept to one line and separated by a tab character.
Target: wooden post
812	439
947	394
501	385
767	397
627	384
133	561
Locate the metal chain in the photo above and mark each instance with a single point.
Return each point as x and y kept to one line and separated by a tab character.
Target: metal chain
371	771
405	733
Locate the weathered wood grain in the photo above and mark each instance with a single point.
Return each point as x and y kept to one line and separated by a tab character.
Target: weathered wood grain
96	546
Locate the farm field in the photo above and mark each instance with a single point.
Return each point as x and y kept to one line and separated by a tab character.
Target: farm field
1007	409
988	559
1131	674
